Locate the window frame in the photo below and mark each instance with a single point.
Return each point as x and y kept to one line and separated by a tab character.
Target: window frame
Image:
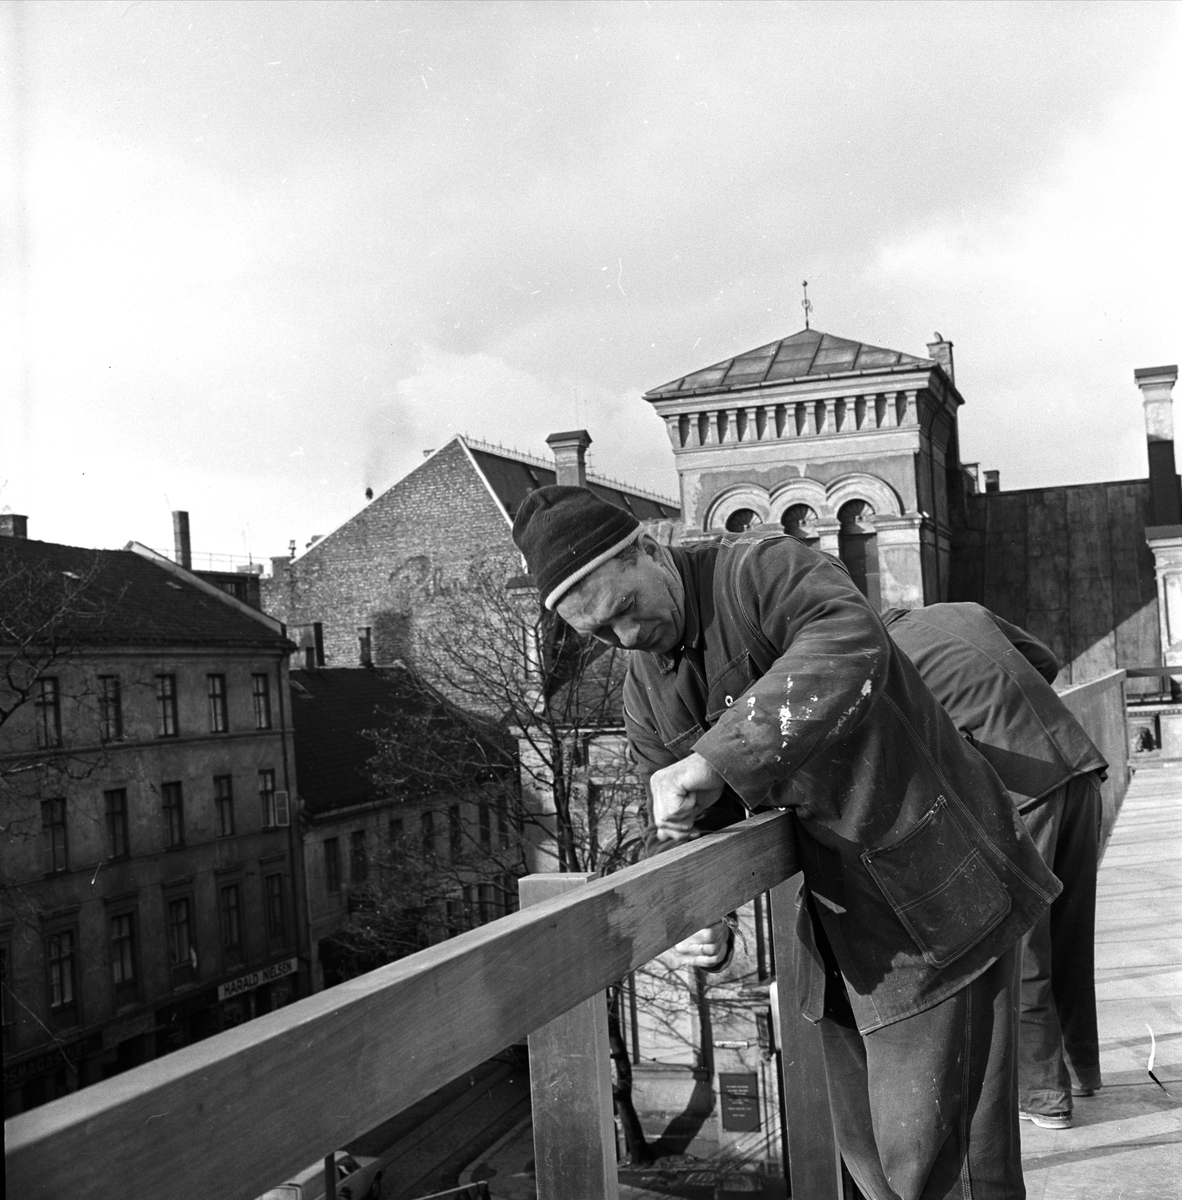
47	705
267	798
126	990
223	803
174	826
54	819
230	924
118	828
68	1010
219	704
260	695
168	723
358	859
427	833
110	708
182	971
332	865
275	908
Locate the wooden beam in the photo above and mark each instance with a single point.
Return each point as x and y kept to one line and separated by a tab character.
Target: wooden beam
257	1103
813	1160
570	1075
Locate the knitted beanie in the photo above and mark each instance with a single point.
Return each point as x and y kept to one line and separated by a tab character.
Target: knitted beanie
565	533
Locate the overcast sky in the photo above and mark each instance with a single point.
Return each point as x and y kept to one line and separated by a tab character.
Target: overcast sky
266	254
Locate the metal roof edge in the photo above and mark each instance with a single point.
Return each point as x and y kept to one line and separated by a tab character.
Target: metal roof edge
922	364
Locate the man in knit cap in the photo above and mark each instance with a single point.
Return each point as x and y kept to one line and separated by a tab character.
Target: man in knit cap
994	680
758	666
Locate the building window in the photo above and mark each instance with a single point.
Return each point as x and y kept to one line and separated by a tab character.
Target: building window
123	958
166	714
260	693
741	520
174	815
223	798
276	918
799	521
116	805
182	949
219	717
48	706
358	862
332	864
455	832
396	833
427	833
485	827
231	913
267	798
857	546
63	974
503	822
53	831
110	708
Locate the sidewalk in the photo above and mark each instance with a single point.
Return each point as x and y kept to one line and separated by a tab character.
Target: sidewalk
1127	1140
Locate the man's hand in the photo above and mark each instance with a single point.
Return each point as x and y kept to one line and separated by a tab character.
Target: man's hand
708	948
680	792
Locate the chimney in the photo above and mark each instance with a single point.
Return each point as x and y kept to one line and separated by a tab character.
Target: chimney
993	481
183	554
1157	388
941	351
13	525
570	456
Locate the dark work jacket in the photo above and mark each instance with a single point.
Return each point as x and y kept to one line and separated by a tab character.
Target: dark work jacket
994	681
917	864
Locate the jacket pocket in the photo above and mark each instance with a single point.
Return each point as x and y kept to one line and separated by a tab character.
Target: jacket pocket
733	680
939	885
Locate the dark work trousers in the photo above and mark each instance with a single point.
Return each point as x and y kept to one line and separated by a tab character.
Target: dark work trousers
927	1107
1058	1008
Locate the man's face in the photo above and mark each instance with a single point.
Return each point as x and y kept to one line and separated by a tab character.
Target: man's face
637	606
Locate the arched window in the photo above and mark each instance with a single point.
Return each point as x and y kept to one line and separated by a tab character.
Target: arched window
798	521
858	547
741	520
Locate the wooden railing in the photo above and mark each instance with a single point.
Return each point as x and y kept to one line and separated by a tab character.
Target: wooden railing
234	1114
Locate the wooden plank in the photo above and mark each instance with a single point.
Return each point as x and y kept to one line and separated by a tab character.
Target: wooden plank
256	1103
1005	556
813	1160
1093	641
1134	581
570	1077
1100	707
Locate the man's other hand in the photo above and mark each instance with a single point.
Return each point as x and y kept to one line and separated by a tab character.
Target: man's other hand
708	948
680	792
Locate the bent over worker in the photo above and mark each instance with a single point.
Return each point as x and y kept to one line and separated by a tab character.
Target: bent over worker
758	665
994	680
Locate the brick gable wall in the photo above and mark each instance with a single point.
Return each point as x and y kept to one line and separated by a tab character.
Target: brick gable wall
389	566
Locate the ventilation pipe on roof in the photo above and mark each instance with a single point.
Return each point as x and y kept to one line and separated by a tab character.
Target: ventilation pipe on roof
1157	392
183	553
993	481
13	525
570	456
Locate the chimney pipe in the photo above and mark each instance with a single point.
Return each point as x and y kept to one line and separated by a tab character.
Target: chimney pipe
570	456
13	525
1157	392
941	350
183	553
993	481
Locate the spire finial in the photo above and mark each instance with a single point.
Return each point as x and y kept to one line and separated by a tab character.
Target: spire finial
806	303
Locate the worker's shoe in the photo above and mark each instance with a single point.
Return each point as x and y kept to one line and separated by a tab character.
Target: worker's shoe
1048	1120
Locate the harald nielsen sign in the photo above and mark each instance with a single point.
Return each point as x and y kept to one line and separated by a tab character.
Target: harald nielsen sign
254	979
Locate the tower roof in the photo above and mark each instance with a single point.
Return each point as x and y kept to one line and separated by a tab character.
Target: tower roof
807	353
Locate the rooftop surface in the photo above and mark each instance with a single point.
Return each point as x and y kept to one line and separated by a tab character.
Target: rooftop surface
1126	1143
809	352
116	598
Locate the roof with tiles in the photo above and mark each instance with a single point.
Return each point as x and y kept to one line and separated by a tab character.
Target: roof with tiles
117	598
512	476
807	353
